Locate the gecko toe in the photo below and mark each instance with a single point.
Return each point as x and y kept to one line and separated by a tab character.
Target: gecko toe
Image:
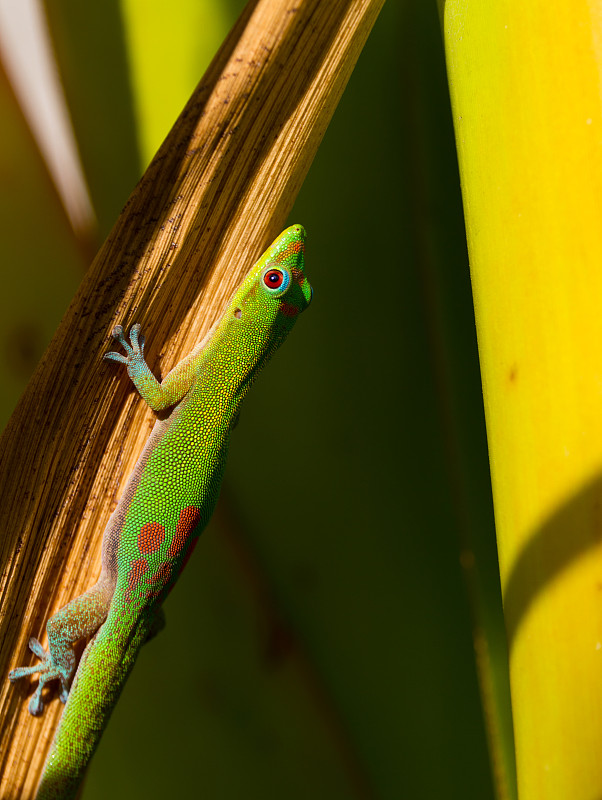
137	338
113	356
36	706
36	648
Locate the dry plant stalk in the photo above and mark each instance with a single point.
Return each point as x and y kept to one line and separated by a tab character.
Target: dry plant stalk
217	192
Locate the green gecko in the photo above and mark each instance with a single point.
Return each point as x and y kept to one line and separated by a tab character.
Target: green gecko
168	500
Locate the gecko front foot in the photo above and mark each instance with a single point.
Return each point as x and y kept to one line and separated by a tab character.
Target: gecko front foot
134	351
48	672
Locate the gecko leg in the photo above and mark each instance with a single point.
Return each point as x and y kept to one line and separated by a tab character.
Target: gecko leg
157	395
142	377
81	617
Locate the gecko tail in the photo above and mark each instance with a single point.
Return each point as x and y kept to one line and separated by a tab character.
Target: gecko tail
104	667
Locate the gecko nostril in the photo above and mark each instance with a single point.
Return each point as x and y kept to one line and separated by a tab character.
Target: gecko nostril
237	313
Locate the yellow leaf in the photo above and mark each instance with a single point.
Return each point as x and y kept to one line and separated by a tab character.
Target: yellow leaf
525	84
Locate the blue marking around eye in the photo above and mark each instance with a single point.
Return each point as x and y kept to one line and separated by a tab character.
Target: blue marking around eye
279	290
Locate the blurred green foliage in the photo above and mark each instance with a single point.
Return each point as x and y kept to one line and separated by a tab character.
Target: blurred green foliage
320	642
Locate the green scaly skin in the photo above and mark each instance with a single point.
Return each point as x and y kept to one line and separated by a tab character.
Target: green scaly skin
167	502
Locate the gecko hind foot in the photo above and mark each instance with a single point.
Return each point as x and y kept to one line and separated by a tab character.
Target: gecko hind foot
48	672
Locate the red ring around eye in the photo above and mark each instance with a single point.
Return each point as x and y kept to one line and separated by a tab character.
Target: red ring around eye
273	279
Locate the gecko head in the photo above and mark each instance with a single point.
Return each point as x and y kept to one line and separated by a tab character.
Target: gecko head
267	304
276	290
282	273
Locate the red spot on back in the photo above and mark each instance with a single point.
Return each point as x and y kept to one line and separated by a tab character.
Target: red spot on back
151	537
137	570
187	522
161	575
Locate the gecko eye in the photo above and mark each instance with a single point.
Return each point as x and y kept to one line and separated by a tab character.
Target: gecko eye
276	281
